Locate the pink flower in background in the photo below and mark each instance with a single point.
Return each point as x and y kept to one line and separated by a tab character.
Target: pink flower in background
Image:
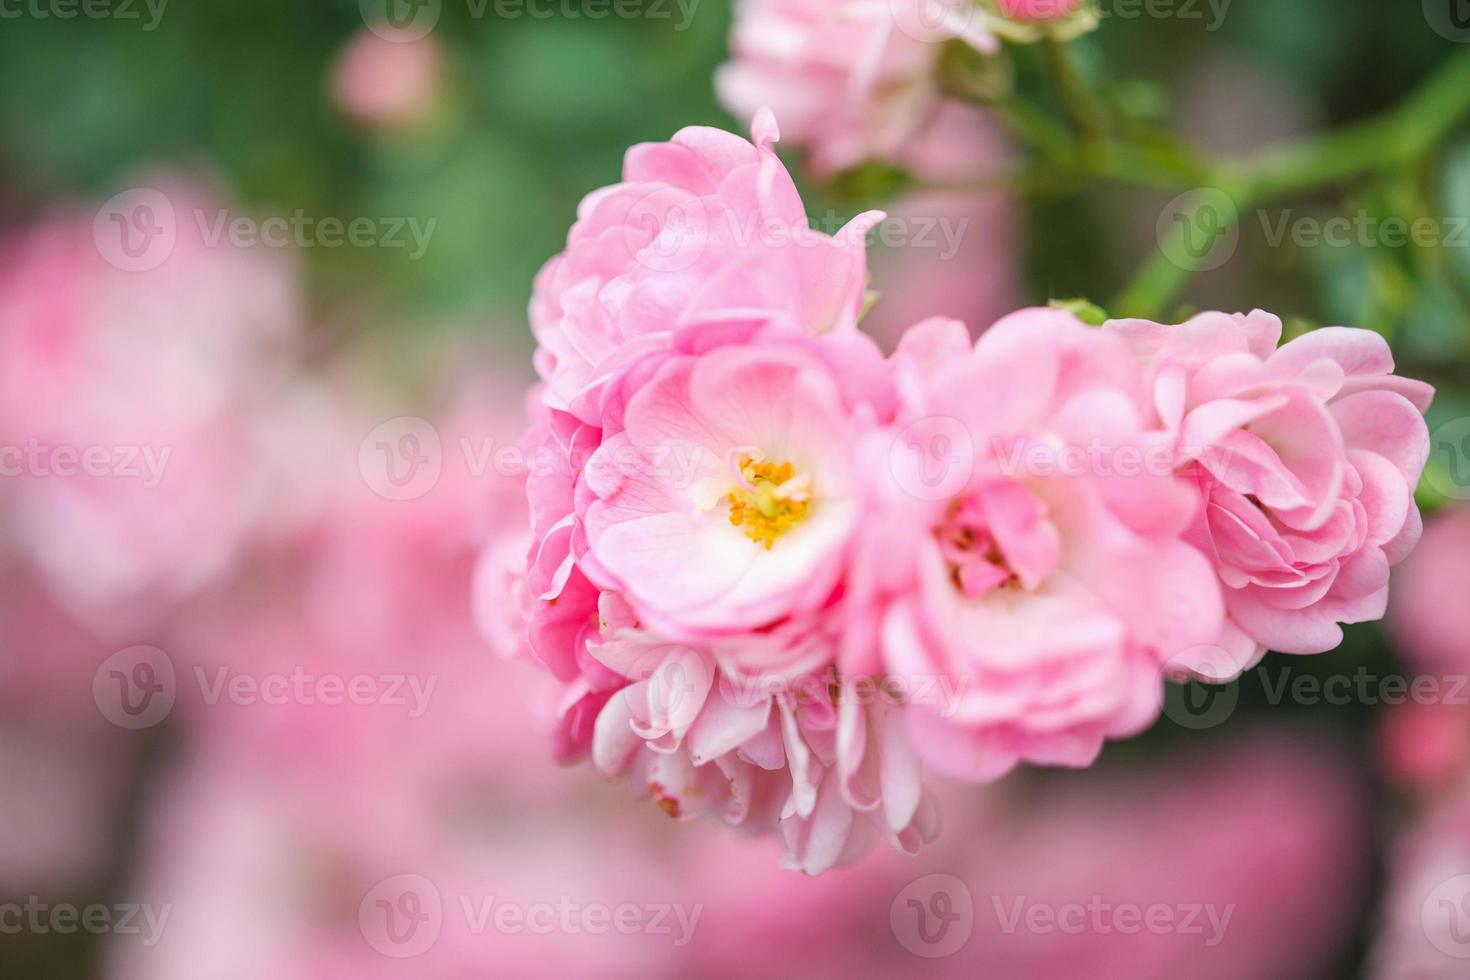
947	253
262	879
1425	744
850	80
1422	922
1283	876
388	81
1429	617
63	797
1306	458
371	588
1014	552
136	409
1039	10
705	236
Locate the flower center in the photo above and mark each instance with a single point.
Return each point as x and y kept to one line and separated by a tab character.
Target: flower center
976	565
769	498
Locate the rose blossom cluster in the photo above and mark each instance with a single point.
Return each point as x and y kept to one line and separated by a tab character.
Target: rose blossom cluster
780	574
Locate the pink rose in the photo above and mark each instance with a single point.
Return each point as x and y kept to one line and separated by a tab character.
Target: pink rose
705	235
1020	550
825	764
1306	459
851	81
737	463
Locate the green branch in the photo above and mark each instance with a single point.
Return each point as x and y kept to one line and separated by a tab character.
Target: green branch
1400	137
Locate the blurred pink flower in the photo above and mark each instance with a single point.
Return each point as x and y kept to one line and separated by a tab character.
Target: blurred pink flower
1422	932
953	253
1429	617
1273	895
135	409
372	591
1425	745
851	81
1306	458
62	801
267	880
388	81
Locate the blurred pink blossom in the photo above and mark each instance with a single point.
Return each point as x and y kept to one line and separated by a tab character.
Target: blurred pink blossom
850	81
135	408
1429	617
386	81
1422	929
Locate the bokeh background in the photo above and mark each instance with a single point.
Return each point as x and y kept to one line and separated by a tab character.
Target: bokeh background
225	831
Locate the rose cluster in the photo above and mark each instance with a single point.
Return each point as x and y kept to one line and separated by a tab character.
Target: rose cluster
780	573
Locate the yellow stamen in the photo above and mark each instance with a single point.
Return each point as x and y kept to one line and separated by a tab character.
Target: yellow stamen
776	500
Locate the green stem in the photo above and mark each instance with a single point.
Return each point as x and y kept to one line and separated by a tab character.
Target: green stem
1399	137
1088	115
